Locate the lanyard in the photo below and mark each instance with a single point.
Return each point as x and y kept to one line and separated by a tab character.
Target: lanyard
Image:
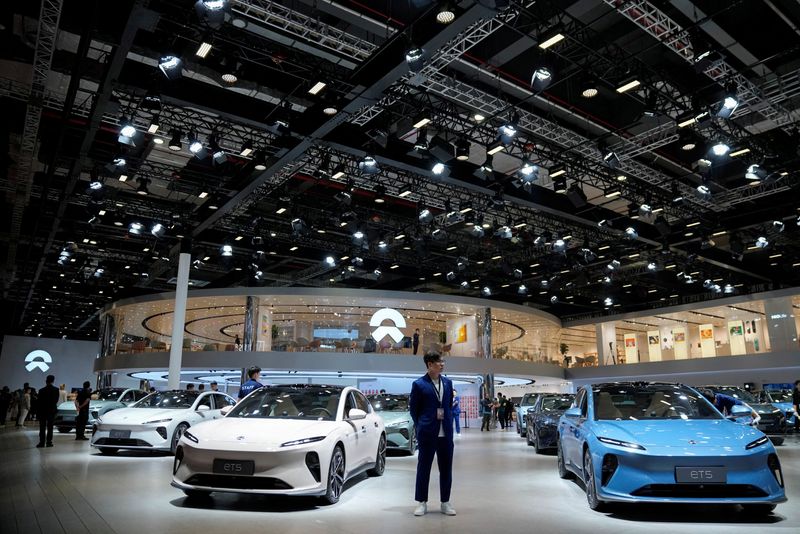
438	390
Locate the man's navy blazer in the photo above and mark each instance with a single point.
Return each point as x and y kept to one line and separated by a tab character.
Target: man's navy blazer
423	404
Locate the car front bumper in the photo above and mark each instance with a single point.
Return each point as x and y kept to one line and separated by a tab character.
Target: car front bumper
399	438
138	437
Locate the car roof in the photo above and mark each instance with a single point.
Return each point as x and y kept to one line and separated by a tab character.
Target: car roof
635	383
308	386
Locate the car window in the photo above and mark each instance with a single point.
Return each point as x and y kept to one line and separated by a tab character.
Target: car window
361	401
291	402
128	397
649	401
580	402
349	404
220	401
138	395
205	401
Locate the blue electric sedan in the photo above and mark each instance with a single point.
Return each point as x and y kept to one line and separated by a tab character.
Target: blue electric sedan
657	442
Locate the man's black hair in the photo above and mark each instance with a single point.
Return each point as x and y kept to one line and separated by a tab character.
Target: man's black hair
253	370
214	383
431	356
796	382
87	384
50	379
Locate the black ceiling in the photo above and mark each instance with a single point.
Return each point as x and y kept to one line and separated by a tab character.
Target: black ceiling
103	70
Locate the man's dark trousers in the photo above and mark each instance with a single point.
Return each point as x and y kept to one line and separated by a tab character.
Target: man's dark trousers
443	449
46	422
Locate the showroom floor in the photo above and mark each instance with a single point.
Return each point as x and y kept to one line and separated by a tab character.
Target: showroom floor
500	486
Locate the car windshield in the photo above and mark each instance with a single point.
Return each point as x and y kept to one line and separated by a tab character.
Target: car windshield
736	393
290	403
389	403
556	404
107	394
168	399
529	400
781	396
650	401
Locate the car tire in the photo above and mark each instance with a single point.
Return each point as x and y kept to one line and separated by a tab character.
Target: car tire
196	494
528	439
563	472
176	436
335	477
64	429
108	451
589	480
380	459
759	509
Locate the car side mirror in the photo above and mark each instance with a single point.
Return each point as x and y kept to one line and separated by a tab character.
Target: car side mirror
226	410
355	413
740	411
203	408
573	412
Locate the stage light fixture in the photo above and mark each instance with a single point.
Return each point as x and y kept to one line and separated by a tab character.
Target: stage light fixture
631	233
415	59
486	291
522	289
720	148
226	251
438	168
369	165
761	242
608	301
171	67
142	189
446	13
158	230
541	78
175	141
462	149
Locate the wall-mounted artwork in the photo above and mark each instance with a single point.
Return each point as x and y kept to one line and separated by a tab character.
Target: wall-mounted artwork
461	334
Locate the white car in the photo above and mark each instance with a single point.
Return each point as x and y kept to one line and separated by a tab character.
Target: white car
291	440
102	401
157	421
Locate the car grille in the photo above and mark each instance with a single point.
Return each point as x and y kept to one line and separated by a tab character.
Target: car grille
699	491
122	442
237	482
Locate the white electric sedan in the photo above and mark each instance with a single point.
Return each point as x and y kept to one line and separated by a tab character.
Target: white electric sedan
293	440
157	421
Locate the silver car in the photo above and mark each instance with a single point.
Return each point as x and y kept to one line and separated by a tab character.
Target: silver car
397	420
528	400
103	401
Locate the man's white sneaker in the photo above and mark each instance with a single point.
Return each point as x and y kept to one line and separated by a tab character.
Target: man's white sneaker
421	509
447	509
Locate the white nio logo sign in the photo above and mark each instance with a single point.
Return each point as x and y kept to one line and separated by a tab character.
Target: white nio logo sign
392	331
33	363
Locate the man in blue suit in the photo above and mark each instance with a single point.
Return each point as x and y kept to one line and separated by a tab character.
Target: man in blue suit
431	409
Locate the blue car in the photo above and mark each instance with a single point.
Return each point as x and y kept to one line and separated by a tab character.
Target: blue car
658	442
781	399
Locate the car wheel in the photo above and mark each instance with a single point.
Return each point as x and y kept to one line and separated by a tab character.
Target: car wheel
196	494
176	436
380	459
335	476
591	487
108	451
528	438
64	429
563	472
758	509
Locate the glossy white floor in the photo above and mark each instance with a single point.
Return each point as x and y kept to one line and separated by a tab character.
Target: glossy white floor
501	485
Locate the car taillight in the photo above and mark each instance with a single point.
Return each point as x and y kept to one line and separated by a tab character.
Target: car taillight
775	467
610	465
312	462
162	431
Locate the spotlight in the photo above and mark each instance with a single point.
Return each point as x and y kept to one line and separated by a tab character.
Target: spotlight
226	250
425	216
486	291
380	194
607	280
528	170
175	140
554	300
762	242
135	228
729	103
196	147
507	131
589	89
777	227
462	149
299	226
610	158
728	289
158	230
541	78
703	191
128	129
377	272
645	210
358	234
464	284
415	59
631	233
560	185
608	301
446	13
544	284
369	165
677	196
755	172
171	67
651	266
212	12
119	162
522	289
720	148
477	231
142	188
559	245
613	266
330	261
438	168
687	140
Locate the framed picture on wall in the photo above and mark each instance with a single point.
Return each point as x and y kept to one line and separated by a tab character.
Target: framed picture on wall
461	334
652	340
680	337
706	333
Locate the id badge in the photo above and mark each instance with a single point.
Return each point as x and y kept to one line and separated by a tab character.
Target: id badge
440	414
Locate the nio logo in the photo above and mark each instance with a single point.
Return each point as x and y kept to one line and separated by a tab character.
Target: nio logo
240	438
35	355
392	331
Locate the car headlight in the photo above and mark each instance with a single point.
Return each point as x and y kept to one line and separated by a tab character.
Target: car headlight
397	424
154	421
303	441
191	437
757	443
619	443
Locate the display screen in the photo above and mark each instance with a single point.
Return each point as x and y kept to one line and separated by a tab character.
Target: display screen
318	403
389	403
650	401
168	399
335	333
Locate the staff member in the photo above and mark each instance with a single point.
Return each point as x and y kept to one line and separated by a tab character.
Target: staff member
82	405
252	384
48	405
430	405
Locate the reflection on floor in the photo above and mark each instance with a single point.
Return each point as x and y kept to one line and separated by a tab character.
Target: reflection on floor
501	485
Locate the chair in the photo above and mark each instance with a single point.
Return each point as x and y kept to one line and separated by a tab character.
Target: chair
286	408
337	346
302	343
124	347
209	347
604	408
397	348
314	345
385	345
230	347
159	346
139	346
590	361
187	343
658	406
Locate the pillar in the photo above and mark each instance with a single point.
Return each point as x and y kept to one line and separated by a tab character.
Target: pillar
606	343
179	321
780	324
485	325
250	335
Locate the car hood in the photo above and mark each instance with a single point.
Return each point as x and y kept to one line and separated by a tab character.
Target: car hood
554	414
763	408
137	416
257	431
718	433
783	406
394	417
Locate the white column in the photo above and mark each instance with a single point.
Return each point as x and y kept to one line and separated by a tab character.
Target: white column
606	343
780	324
178	322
